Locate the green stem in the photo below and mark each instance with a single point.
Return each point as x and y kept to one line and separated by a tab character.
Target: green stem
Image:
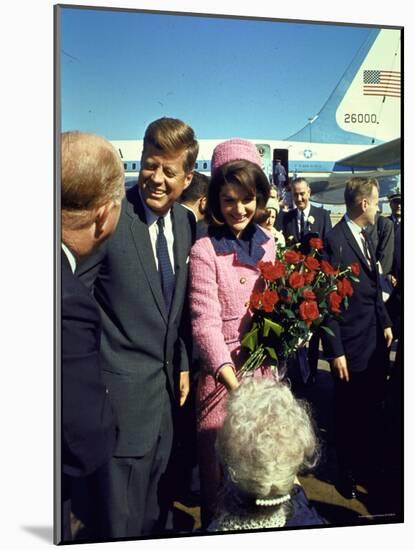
254	361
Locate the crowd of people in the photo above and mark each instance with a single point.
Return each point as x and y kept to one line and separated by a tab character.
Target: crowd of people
156	283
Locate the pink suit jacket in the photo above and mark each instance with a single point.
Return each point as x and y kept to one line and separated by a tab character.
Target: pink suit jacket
220	289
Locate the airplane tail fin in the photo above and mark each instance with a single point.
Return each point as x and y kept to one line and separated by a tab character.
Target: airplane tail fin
365	106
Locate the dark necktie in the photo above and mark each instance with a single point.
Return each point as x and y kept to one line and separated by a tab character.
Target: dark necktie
164	265
302	223
368	250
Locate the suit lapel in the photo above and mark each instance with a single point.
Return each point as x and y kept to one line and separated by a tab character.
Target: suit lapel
353	244
141	239
180	223
315	226
293	225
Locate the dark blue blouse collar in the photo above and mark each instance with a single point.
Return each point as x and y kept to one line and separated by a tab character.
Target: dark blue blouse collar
248	248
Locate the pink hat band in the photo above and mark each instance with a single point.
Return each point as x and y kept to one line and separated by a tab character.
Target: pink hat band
235	149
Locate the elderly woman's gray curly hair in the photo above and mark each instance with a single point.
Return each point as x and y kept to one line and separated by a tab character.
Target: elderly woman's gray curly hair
267	438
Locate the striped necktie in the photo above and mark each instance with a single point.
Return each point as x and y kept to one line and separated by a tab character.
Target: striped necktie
164	265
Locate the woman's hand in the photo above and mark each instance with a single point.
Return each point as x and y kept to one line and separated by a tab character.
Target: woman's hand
227	377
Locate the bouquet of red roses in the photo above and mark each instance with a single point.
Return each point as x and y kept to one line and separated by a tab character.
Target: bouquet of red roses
301	290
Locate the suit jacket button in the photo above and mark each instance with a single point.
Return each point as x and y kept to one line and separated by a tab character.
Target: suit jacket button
242	280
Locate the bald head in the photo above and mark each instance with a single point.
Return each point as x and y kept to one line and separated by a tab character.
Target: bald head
301	193
91	173
92	188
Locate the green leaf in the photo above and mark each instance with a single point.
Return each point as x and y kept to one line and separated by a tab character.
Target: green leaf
289	314
250	340
327	330
271	352
271	326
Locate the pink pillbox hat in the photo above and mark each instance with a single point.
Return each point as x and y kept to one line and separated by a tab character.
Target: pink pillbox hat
235	149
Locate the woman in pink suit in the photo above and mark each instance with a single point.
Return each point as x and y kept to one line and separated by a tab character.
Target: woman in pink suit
223	272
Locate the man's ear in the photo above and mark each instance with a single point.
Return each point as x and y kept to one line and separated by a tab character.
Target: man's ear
188	179
364	204
202	205
101	218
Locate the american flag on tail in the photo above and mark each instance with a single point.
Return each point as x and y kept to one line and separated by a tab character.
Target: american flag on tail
382	83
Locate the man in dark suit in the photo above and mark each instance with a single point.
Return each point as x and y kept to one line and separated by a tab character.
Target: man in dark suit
395	204
295	225
194	197
279	176
396	219
305	218
140	280
358	348
382	237
92	187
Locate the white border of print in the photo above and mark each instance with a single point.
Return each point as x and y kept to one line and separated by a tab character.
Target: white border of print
26	307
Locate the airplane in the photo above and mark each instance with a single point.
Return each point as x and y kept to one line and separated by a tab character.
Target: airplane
356	132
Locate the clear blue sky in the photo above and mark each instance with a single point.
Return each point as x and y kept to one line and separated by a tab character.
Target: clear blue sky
225	77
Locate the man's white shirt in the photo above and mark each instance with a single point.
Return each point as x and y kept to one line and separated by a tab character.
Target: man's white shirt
71	258
305	215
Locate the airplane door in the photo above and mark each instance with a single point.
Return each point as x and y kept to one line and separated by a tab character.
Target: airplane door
283	156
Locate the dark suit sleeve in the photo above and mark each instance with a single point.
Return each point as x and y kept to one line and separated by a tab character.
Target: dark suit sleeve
382	311
385	247
87	419
328	223
332	344
279	220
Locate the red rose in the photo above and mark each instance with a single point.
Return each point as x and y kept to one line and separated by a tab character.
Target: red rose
309	295
255	299
344	287
327	268
271	271
264	268
292	257
279	270
308	311
296	280
311	263
309	277
335	301
316	243
348	288
270	299
355	268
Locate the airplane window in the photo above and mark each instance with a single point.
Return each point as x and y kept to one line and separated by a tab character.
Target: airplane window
196	165
205	165
125	166
134	165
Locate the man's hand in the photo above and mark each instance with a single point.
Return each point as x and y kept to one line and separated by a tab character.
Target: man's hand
392	280
184	386
340	368
388	336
